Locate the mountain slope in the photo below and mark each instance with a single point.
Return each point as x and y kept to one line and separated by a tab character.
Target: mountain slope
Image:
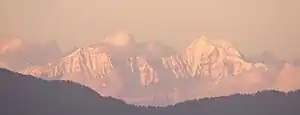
218	58
68	98
153	74
51	97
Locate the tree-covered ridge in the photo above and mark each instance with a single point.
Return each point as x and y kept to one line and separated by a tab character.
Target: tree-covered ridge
28	95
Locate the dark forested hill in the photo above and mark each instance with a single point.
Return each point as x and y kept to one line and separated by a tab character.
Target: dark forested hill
28	95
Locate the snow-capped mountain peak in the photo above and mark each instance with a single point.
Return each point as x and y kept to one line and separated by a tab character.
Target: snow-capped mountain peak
113	64
202	58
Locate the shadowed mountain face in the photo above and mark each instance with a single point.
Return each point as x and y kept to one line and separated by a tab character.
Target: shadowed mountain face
150	73
28	95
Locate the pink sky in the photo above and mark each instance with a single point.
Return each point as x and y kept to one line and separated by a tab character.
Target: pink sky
252	25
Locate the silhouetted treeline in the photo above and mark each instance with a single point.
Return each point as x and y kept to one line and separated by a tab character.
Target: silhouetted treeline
27	95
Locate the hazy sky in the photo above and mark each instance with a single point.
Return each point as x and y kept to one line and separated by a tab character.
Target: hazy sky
252	25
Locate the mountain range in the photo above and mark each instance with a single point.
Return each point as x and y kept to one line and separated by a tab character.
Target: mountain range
150	73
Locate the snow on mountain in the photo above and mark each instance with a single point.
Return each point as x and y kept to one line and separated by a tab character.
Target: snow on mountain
202	58
121	67
96	61
209	58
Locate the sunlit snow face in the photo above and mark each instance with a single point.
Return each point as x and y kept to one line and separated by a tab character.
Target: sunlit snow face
233	51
